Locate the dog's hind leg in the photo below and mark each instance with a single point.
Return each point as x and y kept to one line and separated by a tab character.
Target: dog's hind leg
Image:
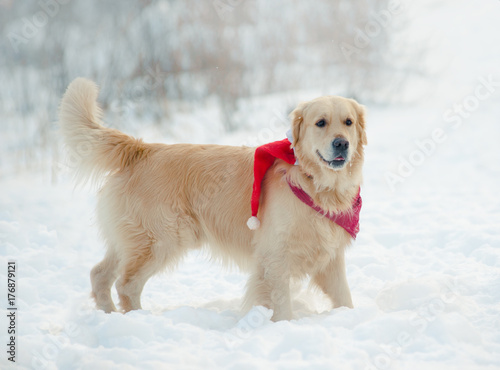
102	277
140	264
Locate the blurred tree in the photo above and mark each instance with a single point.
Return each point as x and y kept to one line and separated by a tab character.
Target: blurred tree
145	54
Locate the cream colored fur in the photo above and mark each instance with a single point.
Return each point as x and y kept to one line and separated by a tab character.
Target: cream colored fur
159	201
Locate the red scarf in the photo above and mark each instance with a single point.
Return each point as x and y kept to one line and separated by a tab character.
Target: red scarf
348	220
265	156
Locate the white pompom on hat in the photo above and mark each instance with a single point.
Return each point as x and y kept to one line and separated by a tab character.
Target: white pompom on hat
253	223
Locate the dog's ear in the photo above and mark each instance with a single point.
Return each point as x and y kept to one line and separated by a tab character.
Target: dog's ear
297	117
360	112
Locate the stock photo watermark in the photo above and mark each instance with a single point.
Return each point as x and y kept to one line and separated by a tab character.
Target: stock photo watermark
12	276
418	322
455	116
48	354
371	30
154	78
31	26
225	8
278	125
246	327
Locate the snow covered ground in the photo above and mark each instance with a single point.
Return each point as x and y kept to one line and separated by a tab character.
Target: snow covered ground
424	271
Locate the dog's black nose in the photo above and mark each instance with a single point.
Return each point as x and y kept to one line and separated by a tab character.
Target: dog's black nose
340	144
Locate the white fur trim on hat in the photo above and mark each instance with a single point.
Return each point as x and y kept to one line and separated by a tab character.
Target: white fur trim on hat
253	223
289	136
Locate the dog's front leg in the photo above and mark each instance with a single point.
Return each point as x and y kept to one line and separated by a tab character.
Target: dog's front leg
269	286
333	281
280	297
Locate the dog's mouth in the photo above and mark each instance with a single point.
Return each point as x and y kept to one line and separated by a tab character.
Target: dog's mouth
337	162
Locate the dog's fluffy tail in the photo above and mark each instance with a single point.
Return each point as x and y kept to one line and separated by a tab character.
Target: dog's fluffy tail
94	150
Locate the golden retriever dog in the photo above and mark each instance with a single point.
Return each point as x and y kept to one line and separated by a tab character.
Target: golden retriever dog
157	202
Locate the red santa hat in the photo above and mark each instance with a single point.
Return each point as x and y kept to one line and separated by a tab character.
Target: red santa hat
264	158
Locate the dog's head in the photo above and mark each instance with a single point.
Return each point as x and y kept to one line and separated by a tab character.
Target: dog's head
328	133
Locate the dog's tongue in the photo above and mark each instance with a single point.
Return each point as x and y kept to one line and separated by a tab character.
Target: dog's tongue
339	158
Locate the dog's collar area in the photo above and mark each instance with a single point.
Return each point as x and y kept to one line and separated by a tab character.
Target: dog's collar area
349	221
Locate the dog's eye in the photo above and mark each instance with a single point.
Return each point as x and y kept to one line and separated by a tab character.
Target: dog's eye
348	122
321	123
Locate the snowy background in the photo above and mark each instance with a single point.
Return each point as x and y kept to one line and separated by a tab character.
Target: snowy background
425	269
